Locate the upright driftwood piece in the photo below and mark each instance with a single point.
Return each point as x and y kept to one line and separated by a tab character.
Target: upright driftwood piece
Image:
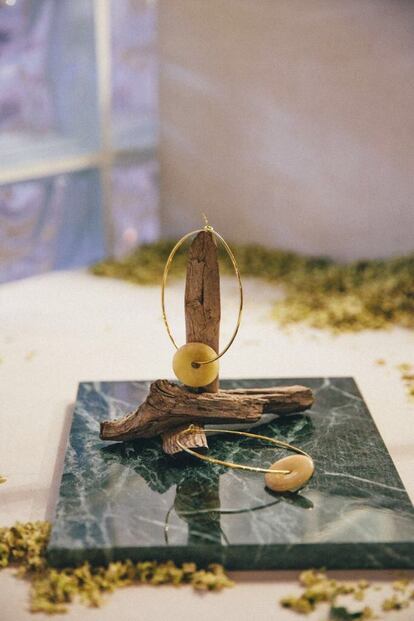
202	320
202	296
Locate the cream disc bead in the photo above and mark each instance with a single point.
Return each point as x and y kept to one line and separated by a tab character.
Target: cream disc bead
301	469
185	369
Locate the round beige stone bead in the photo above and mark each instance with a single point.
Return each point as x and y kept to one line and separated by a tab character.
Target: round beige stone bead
186	370
301	469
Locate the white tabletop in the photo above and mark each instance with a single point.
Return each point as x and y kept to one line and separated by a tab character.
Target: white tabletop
62	328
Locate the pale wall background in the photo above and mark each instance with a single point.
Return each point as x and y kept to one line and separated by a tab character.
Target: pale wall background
290	122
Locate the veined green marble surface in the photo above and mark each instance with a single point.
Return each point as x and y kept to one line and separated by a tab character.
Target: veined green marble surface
129	500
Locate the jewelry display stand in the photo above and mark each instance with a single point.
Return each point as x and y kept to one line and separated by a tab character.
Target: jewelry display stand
142	498
170	408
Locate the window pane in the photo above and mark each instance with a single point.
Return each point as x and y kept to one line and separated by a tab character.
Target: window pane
134	73
50	224
135	204
47	80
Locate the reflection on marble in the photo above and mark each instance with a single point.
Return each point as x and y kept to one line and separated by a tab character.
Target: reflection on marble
129	500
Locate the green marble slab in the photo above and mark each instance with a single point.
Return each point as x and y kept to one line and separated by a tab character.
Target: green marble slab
129	500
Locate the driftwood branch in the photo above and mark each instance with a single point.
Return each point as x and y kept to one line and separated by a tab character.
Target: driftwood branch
169	406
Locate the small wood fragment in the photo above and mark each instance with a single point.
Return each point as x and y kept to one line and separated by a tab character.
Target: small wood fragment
196	440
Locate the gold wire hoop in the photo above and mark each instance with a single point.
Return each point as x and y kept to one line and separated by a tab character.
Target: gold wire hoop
230	464
209	229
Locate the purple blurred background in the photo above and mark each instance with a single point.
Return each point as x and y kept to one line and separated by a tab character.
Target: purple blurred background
58	168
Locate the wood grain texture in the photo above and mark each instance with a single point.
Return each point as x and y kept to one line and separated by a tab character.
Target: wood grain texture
169	406
194	440
202	296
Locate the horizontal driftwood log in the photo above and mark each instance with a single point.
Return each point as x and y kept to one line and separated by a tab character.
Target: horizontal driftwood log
168	406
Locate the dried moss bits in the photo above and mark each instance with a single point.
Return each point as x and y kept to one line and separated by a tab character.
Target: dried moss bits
52	590
394	603
319	292
24	544
407	375
319	589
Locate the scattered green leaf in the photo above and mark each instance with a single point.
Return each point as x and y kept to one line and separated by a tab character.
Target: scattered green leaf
340	613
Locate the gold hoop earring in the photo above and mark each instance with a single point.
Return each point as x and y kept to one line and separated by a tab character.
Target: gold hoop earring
285	475
196	364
